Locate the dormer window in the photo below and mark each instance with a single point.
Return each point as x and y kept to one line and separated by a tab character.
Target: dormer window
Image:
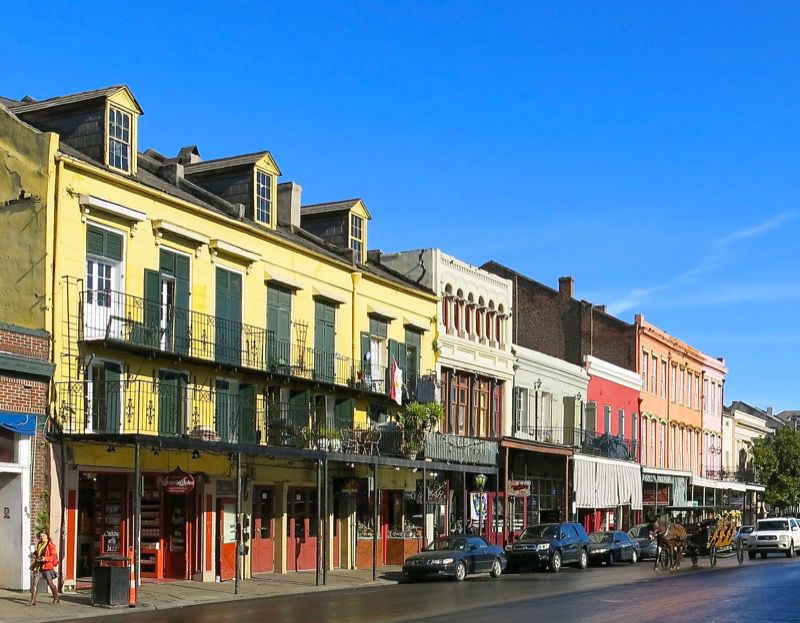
119	139
357	237
263	197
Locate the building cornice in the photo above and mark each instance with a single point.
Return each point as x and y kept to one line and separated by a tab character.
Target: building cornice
610	372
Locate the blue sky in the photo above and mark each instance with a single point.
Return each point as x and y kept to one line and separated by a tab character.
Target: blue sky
651	150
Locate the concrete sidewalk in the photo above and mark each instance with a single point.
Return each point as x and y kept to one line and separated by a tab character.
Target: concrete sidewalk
160	595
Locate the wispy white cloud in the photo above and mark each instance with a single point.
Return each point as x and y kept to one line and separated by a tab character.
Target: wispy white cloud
722	250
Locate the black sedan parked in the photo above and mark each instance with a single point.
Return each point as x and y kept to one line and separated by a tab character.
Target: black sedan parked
456	557
613	546
647	545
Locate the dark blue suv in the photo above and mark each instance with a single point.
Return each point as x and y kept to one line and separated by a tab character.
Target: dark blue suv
549	546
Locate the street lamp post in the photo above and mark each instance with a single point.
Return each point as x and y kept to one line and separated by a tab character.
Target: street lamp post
480	481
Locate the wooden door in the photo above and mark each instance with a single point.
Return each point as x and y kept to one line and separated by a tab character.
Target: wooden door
262	538
176	537
302	530
226	538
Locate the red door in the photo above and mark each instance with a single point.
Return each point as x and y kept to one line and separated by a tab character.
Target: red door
263	523
302	530
177	537
226	538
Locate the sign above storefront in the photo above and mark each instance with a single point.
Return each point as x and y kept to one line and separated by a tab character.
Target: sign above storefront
351	486
519	488
177	482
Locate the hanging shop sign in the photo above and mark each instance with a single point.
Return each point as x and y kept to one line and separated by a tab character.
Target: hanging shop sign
519	488
177	482
351	486
436	493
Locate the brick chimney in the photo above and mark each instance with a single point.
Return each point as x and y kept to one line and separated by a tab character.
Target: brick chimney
565	286
601	308
289	197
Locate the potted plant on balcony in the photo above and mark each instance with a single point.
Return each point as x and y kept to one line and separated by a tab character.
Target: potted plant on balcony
435	415
414	422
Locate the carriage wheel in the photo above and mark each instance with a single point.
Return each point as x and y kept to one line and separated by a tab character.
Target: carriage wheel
739	552
664	558
713	555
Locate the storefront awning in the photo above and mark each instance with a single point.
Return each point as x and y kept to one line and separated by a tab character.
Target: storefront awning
19	423
605	483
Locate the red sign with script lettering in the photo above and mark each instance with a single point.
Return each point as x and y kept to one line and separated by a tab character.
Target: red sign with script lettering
177	482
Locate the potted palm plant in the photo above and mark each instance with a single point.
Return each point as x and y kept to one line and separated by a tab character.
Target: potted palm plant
413	422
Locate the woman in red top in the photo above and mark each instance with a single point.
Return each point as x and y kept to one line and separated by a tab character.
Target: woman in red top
44	562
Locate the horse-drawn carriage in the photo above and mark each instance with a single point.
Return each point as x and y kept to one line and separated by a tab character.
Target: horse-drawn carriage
713	538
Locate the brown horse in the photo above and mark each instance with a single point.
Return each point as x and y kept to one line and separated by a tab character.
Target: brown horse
671	539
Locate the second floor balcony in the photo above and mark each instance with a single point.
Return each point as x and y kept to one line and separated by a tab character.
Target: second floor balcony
172	407
144	326
583	441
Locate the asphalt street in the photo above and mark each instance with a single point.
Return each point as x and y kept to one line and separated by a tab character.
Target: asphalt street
759	590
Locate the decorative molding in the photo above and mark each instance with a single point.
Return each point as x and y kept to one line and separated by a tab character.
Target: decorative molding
160	226
90	202
217	246
278	278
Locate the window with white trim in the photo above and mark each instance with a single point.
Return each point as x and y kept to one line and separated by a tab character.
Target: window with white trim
263	197
357	236
119	139
654	375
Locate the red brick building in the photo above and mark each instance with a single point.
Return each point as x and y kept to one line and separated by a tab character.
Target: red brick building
25	374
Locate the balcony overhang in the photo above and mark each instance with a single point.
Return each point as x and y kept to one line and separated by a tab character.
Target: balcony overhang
89	203
533	446
269	452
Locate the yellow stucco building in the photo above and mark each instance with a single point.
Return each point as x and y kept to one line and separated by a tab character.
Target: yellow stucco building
229	362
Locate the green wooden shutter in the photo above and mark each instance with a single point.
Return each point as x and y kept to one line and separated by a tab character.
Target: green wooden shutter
113	246
324	342
223	410
297	416
228	316
148	332
247	420
95	240
279	306
343	413
112	374
170	404
104	243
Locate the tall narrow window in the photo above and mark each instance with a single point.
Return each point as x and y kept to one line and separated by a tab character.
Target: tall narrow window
680	386
654	375
607	419
263	197
645	359
621	423
119	139
357	237
663	379
672	384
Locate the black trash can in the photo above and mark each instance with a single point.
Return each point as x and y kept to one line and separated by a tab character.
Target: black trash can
110	580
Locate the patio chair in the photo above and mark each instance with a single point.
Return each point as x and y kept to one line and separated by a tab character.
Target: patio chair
372	440
350	441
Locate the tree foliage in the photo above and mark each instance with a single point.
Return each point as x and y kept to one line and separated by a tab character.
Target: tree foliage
777	458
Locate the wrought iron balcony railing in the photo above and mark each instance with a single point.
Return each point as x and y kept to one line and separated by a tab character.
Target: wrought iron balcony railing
112	316
171	407
742	474
585	441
